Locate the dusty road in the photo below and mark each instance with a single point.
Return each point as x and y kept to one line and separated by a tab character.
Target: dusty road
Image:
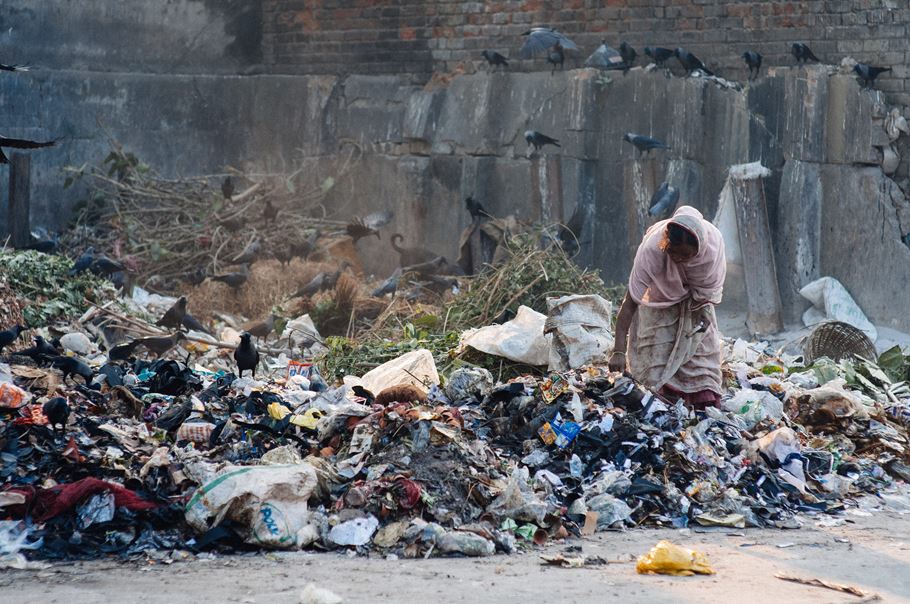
870	552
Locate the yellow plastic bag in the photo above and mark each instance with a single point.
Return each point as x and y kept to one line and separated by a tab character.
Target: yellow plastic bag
307	420
667	558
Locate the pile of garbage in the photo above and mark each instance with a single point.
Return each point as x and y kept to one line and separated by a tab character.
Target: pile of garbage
170	457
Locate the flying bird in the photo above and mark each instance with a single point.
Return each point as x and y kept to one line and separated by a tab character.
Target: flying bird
539	141
246	355
690	61
4	67
20	143
10	335
664	200
753	62
644	144
369	225
868	73
628	54
227	187
544	38
494	58
802	53
606	58
173	317
658	54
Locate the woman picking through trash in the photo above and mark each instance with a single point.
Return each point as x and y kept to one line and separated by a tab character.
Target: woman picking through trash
668	312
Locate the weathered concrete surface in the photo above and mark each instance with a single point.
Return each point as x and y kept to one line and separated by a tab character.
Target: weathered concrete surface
173	36
421	150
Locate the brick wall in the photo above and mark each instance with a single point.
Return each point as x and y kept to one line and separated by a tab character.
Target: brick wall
418	36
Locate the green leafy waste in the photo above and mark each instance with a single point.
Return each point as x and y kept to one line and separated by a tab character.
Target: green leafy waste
42	281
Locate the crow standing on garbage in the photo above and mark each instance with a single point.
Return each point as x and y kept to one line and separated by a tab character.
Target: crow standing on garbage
193	324
227	187
658	54
57	411
173	317
868	73
72	366
302	249
40	351
235	279
83	262
753	62
802	53
159	345
10	335
261	329
246	355
389	286
664	200
249	253
493	58
539	141
45	246
475	209
104	266
690	61
20	143
644	144
122	352
269	212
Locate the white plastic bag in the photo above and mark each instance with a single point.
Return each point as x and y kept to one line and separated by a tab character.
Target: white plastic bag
521	340
270	502
416	368
832	302
752	406
580	329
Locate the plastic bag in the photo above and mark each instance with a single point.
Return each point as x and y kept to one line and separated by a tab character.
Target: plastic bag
521	340
832	302
12	396
518	501
580	329
667	558
269	502
416	368
752	406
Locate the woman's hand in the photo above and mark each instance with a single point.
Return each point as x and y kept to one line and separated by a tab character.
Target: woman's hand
617	361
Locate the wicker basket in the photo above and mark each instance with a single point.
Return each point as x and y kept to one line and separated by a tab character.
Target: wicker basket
837	340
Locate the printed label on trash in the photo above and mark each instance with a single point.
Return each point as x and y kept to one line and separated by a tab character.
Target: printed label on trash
553	387
300	368
272	528
558	432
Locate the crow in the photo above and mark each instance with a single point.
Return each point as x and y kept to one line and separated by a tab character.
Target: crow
320	282
173	317
235	279
476	210
408	256
690	61
72	366
40	351
84	262
753	61
389	286
159	345
10	335
302	249
628	54
122	352
644	144
102	265
606	58
283	256
269	212
227	187
246	355
570	233
57	412
658	54
544	38
664	200
5	67
193	324
261	329
555	57
45	246
249	253
364	394
539	141
194	277
494	58
868	73
802	53
20	143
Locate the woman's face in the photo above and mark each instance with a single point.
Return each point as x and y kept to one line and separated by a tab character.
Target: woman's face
682	252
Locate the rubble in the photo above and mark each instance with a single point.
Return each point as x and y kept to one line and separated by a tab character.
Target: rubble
425	454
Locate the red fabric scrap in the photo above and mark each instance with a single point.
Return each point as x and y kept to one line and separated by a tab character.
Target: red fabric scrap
44	504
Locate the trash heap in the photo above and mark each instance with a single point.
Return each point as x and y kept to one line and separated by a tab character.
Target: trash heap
163	460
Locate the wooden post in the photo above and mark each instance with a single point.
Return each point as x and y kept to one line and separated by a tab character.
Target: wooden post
760	275
19	200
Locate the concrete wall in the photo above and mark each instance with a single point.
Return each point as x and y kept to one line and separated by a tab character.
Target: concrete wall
419	36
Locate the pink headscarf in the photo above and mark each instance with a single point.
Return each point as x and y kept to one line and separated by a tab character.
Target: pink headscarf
659	282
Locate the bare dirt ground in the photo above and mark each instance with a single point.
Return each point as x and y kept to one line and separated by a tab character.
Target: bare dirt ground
869	552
